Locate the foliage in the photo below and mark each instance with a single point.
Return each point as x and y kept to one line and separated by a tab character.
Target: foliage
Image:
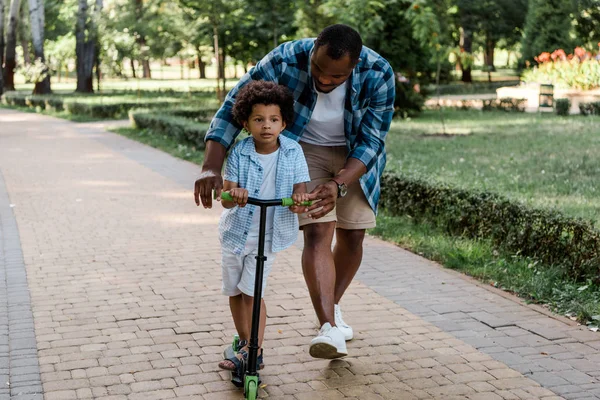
182	129
548	26
562	106
545	235
35	72
592	108
580	70
408	103
108	107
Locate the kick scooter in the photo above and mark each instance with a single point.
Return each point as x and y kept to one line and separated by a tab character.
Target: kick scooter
250	375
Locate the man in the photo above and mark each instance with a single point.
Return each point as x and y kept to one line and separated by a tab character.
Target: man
344	102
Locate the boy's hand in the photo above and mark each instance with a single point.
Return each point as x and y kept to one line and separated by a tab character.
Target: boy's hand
240	196
299	198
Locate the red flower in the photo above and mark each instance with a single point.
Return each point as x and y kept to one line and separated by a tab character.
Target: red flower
580	52
542	58
558	54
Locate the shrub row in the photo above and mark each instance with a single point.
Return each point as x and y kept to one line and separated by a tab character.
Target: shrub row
545	235
74	105
184	130
592	108
505	104
562	106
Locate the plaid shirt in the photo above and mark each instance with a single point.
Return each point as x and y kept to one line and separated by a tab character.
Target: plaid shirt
244	167
368	110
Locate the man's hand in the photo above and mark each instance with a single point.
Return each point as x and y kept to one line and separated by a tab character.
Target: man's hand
324	195
205	184
239	196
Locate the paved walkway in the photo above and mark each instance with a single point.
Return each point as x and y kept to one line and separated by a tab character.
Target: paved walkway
122	286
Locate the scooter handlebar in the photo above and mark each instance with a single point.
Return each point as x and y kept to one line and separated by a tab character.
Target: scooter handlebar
285	202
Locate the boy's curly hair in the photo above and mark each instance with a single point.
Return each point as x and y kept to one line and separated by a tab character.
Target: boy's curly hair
267	93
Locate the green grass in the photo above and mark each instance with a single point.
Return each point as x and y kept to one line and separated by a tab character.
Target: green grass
542	160
478	258
164	143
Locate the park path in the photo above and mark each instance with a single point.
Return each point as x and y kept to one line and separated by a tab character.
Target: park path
110	289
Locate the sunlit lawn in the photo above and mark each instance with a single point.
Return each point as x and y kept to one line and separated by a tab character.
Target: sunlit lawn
541	159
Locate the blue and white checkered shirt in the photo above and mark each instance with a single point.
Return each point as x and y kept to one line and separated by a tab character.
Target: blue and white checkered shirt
369	105
244	167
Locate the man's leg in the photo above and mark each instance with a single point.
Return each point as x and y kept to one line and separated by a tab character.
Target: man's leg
319	268
347	255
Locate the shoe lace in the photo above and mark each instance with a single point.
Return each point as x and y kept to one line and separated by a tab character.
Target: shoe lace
338	316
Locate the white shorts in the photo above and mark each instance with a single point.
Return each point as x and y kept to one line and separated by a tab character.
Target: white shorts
239	270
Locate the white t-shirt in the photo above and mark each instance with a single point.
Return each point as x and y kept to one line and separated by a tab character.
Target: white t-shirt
267	192
326	125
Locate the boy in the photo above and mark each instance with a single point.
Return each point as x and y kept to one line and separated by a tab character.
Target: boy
266	166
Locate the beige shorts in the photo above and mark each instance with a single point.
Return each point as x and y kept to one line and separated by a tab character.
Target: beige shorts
351	211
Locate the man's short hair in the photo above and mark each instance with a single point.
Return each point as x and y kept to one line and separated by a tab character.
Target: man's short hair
340	40
267	93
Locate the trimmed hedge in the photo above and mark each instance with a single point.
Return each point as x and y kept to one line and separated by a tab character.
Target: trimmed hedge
592	108
546	235
562	106
107	109
168	123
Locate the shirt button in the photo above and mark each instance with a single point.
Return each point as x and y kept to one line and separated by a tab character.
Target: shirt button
245	233
260	169
256	191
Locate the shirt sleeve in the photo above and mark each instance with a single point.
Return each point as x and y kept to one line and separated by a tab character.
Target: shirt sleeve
223	128
376	122
301	171
232	167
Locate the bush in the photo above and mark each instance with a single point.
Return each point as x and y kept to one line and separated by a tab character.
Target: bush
592	108
408	103
562	106
100	106
546	235
505	104
182	129
577	71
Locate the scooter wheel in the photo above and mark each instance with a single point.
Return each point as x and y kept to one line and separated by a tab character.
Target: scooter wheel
251	387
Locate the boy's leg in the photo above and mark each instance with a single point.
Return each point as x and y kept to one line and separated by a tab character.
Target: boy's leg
240	316
248	304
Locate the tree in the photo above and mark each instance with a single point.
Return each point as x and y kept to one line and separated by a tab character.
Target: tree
1	46
548	27
11	46
36	16
310	18
86	39
588	23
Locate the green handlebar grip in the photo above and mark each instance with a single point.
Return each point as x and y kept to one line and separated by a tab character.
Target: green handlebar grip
286	202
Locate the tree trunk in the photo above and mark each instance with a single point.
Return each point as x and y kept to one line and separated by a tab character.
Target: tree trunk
85	47
490	46
11	46
24	32
466	45
36	16
220	94
132	62
201	67
146	68
1	46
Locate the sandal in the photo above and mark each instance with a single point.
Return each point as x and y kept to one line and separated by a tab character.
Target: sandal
230	355
237	375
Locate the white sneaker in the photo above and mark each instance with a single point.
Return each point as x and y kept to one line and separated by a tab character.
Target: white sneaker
339	322
329	343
